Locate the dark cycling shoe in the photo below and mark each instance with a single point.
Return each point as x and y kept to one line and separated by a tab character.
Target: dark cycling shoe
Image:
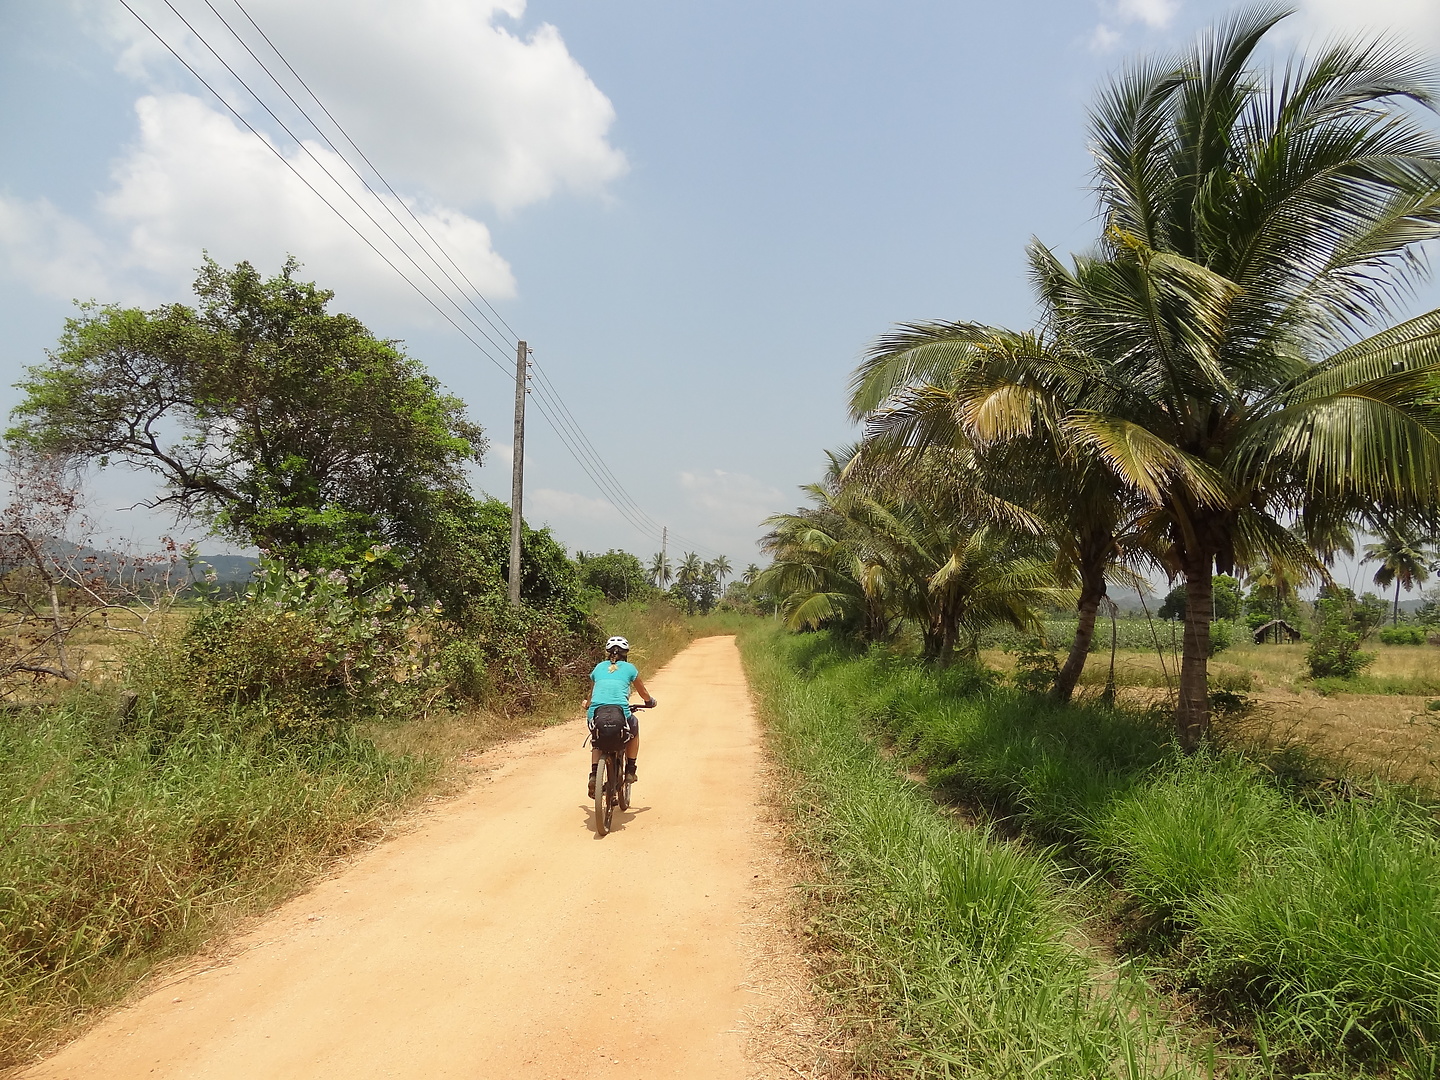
590	792
630	775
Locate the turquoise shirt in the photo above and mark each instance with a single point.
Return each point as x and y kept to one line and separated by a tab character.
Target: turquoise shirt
612	687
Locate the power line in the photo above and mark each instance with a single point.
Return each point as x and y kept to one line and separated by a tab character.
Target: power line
325	169
556	413
514	337
299	176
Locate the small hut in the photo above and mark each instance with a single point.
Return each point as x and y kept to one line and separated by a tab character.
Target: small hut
1279	626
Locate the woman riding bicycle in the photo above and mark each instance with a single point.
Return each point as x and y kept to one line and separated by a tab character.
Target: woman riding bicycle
610	684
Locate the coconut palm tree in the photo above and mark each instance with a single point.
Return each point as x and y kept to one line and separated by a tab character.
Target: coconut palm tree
1258	227
721	568
872	558
1404	560
660	570
1218	351
751	573
962	386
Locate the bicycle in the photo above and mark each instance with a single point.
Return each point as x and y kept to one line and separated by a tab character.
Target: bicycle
611	787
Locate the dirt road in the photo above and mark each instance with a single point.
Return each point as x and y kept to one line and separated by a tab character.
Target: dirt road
500	938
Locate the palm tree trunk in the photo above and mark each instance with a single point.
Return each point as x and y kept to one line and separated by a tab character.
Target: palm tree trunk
1395	613
1192	715
1090	597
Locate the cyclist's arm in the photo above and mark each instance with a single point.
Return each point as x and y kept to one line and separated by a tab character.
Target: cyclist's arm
638	687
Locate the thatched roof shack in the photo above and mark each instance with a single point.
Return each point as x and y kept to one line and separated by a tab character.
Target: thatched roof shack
1277	627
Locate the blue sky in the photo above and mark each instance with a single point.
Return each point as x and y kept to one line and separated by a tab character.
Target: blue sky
697	214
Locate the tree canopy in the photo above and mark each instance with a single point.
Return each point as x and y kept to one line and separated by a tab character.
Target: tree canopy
273	419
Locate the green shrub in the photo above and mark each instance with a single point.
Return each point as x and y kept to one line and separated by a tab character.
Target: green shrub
1036	668
1402	635
1334	651
304	650
1222	635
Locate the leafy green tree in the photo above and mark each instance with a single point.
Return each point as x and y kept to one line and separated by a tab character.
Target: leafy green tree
464	563
1228	597
617	574
1404	561
280	423
1173	606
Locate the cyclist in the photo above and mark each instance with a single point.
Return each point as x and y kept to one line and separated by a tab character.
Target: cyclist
611	683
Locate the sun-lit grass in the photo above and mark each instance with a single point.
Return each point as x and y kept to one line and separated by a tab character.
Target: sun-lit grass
950	951
1306	909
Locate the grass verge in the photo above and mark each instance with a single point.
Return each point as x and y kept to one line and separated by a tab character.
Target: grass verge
949	949
1305	915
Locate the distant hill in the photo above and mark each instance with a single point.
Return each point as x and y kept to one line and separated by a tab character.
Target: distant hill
228	569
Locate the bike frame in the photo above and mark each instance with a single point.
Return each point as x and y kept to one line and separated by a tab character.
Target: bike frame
613	791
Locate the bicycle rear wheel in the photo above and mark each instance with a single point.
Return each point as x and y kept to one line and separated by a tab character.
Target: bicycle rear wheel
602	797
613	795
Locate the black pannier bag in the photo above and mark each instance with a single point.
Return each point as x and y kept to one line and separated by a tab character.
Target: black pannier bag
610	729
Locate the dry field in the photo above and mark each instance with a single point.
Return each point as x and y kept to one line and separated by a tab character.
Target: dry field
1391	735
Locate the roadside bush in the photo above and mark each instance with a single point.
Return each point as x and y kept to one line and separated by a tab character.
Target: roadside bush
1334	651
305	650
1402	635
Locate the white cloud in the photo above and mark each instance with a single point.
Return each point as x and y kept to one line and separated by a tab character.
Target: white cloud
732	499
439	95
548	503
1103	38
50	251
459	112
1120	14
1415	20
1155	14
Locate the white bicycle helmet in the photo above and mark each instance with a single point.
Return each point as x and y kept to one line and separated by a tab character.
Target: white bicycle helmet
617	643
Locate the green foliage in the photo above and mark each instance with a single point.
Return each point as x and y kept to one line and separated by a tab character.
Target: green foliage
123	843
282	424
305	650
617	575
1173	606
466	561
1313	922
947	951
1222	635
1226	597
1402	635
1036	667
1334	650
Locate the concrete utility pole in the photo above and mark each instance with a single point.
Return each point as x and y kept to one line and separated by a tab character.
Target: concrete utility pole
664	535
517	468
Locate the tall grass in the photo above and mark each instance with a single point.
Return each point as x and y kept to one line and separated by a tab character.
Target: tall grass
121	847
950	949
1312	921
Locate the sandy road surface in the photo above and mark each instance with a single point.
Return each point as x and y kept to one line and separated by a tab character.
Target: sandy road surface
501	938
